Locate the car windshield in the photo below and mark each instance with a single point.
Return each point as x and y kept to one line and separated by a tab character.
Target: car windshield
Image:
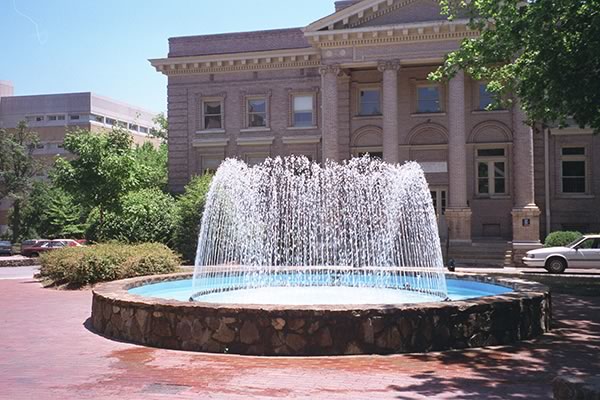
573	243
4	243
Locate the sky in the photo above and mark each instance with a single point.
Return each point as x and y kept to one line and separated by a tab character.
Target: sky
103	46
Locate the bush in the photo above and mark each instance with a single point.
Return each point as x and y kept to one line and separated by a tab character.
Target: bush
190	207
85	265
144	216
561	238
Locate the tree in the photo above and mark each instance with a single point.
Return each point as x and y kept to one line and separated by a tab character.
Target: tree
50	212
190	207
152	166
162	127
17	170
103	170
144	216
547	52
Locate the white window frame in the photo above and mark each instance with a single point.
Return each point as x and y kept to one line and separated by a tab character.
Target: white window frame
292	120
203	114
578	158
247	112
490	161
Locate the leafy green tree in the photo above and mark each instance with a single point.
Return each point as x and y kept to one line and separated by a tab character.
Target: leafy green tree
190	207
144	216
152	166
17	170
51	213
104	168
162	127
547	52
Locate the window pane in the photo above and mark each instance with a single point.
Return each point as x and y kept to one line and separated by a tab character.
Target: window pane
212	122
255	120
257	105
370	102
499	170
303	103
574	185
573	151
485	97
212	108
573	168
302	119
428	99
499	185
483	186
490	152
482	170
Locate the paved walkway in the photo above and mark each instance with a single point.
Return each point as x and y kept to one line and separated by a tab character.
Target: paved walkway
48	353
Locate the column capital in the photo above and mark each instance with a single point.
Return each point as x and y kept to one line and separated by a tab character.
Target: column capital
393	65
334	69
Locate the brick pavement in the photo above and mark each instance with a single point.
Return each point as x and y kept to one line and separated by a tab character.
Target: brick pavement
48	353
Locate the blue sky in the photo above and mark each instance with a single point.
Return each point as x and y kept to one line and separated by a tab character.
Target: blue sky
57	46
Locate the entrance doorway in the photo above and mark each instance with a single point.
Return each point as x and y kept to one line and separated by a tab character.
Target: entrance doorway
439	195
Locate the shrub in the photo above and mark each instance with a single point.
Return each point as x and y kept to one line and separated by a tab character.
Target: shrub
85	265
189	210
144	216
561	238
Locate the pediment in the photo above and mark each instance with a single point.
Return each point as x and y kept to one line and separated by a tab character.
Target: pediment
372	13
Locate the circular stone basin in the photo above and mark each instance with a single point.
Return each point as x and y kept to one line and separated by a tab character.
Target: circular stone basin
484	311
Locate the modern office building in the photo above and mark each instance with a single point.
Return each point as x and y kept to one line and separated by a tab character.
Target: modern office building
52	115
355	82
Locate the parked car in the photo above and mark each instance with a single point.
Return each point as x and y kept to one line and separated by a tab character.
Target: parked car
5	248
67	242
33	248
582	253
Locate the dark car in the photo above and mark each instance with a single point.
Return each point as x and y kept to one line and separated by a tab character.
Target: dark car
5	248
33	248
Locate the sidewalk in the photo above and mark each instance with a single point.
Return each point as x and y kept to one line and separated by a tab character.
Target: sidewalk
48	353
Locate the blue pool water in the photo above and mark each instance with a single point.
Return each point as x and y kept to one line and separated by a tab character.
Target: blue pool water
182	290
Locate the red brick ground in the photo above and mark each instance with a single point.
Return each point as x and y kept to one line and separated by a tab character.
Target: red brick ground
46	352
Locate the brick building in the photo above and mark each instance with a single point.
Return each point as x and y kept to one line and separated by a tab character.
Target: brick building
52	115
355	82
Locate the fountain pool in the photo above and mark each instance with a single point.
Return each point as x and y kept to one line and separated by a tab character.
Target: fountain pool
295	258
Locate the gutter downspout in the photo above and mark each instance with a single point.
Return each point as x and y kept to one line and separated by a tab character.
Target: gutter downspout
547	179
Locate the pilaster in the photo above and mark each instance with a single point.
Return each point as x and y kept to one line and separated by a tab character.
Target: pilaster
329	87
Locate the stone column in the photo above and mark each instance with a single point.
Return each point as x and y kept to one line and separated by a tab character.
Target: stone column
525	213
458	213
391	139
329	126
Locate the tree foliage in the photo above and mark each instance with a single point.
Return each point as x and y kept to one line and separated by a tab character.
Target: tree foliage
151	164
162	127
190	207
17	170
144	216
547	52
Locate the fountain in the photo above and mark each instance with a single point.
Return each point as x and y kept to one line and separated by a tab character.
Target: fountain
295	258
363	231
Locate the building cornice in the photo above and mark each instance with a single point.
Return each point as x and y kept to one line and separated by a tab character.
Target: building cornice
390	34
253	61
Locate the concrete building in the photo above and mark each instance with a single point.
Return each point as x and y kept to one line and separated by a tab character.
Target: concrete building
355	82
52	115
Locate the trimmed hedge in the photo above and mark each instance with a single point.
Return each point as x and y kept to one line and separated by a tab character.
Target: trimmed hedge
79	266
561	238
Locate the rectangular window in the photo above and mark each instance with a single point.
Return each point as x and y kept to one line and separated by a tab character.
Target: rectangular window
143	129
428	99
257	112
52	118
212	114
303	111
369	102
110	121
133	127
97	118
61	117
491	172
573	170
485	97
73	117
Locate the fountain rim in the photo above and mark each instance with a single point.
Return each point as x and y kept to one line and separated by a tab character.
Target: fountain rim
118	291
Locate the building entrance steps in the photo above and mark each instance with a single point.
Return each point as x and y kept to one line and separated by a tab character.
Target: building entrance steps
481	253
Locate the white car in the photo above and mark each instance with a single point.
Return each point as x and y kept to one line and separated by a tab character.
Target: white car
582	253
